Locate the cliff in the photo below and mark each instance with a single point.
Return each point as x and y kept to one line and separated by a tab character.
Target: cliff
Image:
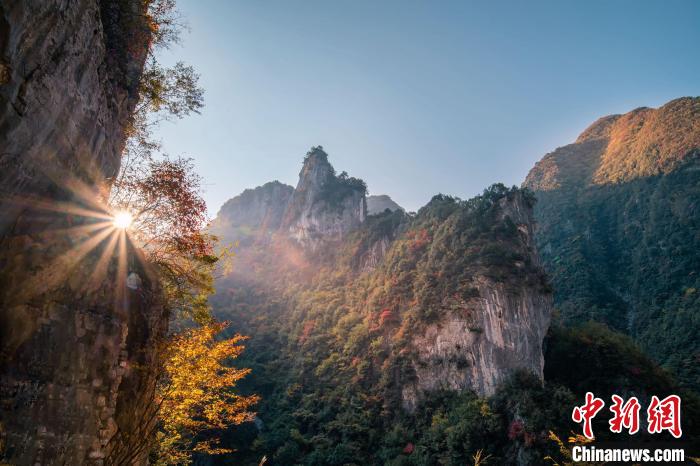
324	206
76	343
617	217
496	325
254	213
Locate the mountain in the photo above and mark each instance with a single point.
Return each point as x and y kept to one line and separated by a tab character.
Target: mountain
379	203
253	213
414	338
324	205
356	320
618	217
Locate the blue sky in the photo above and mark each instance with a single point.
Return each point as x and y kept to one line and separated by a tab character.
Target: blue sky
418	97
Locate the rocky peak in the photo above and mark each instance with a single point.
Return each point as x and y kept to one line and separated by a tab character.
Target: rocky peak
324	206
316	170
252	213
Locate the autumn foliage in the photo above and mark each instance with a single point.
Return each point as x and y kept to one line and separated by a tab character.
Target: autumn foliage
169	227
196	394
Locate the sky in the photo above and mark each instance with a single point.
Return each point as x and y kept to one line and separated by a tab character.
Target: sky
417	97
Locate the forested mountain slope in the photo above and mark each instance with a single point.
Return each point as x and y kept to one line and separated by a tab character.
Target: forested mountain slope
410	338
618	216
356	315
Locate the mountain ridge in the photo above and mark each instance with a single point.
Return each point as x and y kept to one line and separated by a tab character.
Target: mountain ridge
617	213
617	148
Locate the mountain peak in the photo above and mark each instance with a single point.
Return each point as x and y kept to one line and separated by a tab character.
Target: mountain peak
379	203
316	155
619	148
253	212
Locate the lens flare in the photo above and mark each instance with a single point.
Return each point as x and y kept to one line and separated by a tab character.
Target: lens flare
122	220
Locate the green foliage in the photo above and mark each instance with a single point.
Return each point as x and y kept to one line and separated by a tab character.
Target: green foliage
329	350
592	357
338	188
627	255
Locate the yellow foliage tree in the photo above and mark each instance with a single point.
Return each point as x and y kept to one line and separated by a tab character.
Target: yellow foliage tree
196	395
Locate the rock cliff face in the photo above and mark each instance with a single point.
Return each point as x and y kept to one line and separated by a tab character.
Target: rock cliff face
323	206
253	213
479	341
74	343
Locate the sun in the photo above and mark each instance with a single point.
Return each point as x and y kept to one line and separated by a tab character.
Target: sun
122	220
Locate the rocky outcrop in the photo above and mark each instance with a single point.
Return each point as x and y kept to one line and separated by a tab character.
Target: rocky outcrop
379	203
375	238
76	343
482	339
324	206
253	213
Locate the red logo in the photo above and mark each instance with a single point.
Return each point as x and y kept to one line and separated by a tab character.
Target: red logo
625	415
665	415
587	412
661	415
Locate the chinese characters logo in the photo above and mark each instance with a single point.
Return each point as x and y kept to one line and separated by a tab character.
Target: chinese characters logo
662	415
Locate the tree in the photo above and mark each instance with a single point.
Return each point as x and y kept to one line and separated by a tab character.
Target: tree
195	394
169	221
160	193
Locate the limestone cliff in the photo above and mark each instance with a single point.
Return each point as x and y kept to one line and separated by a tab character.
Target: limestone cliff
481	337
254	213
75	345
324	206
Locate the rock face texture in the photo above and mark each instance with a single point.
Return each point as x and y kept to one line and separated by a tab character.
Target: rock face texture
379	203
75	343
481	340
323	206
67	91
254	212
617	217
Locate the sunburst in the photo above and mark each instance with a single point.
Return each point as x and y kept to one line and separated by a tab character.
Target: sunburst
86	224
122	220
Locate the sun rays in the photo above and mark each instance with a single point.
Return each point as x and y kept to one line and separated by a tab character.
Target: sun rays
88	245
122	220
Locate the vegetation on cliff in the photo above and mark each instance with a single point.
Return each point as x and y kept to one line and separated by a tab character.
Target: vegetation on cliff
161	198
331	345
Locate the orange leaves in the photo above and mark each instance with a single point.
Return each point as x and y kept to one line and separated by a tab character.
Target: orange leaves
306	331
418	239
196	392
386	317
